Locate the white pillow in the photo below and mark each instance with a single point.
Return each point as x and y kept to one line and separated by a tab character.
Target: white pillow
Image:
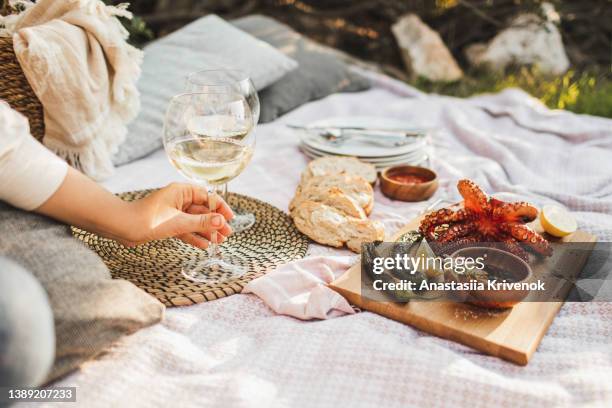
206	43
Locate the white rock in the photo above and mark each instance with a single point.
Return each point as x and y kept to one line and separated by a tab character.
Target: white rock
528	40
423	50
474	53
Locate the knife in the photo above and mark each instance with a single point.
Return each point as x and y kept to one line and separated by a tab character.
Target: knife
362	130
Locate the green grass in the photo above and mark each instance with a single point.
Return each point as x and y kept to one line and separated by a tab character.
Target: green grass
581	92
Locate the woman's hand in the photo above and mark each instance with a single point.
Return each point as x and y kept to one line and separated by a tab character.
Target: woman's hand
178	210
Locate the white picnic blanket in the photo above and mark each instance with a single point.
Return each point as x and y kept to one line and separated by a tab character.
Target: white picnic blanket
235	352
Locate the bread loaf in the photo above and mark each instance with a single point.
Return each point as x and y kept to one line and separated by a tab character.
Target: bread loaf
330	226
337	165
356	187
332	201
331	196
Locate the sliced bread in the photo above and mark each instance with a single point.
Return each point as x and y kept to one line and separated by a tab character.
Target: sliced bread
332	196
356	187
330	226
336	165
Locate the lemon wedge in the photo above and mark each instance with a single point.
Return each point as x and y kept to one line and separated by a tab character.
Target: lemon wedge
557	221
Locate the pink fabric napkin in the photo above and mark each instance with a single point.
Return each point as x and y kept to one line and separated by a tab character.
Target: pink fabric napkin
299	288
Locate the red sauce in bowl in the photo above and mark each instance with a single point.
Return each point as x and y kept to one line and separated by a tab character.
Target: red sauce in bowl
408	178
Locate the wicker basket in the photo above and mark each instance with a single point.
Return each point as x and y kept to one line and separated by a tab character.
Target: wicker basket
15	89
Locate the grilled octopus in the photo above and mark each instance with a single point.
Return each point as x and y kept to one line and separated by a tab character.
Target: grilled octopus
484	219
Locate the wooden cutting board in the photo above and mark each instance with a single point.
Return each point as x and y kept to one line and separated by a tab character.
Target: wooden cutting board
513	334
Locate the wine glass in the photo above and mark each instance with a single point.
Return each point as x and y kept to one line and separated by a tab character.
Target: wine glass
208	138
229	80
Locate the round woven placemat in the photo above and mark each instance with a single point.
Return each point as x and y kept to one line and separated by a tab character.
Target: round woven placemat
156	266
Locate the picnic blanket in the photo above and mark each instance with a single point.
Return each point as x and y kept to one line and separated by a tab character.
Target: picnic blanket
236	352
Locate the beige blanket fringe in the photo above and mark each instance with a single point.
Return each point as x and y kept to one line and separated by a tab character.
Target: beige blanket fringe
75	56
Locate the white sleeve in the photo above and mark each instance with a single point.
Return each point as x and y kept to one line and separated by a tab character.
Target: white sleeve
29	172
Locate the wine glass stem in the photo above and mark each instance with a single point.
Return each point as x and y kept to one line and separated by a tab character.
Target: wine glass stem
224	192
213	248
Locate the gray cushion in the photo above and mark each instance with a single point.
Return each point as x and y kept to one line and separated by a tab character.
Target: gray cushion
206	43
91	310
321	72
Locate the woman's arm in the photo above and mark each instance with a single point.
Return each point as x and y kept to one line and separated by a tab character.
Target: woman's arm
33	178
178	210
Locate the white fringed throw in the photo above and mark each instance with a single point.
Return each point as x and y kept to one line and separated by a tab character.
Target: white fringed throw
75	56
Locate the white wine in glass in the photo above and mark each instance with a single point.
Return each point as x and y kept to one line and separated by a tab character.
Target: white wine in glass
208	138
217	161
229	80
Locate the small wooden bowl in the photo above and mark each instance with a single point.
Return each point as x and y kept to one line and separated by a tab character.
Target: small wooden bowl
512	265
408	191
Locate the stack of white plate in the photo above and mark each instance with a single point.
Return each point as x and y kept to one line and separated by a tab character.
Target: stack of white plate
413	151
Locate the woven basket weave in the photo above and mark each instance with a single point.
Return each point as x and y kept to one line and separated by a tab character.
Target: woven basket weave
16	90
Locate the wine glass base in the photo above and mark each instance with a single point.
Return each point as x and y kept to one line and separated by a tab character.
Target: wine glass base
242	221
211	271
